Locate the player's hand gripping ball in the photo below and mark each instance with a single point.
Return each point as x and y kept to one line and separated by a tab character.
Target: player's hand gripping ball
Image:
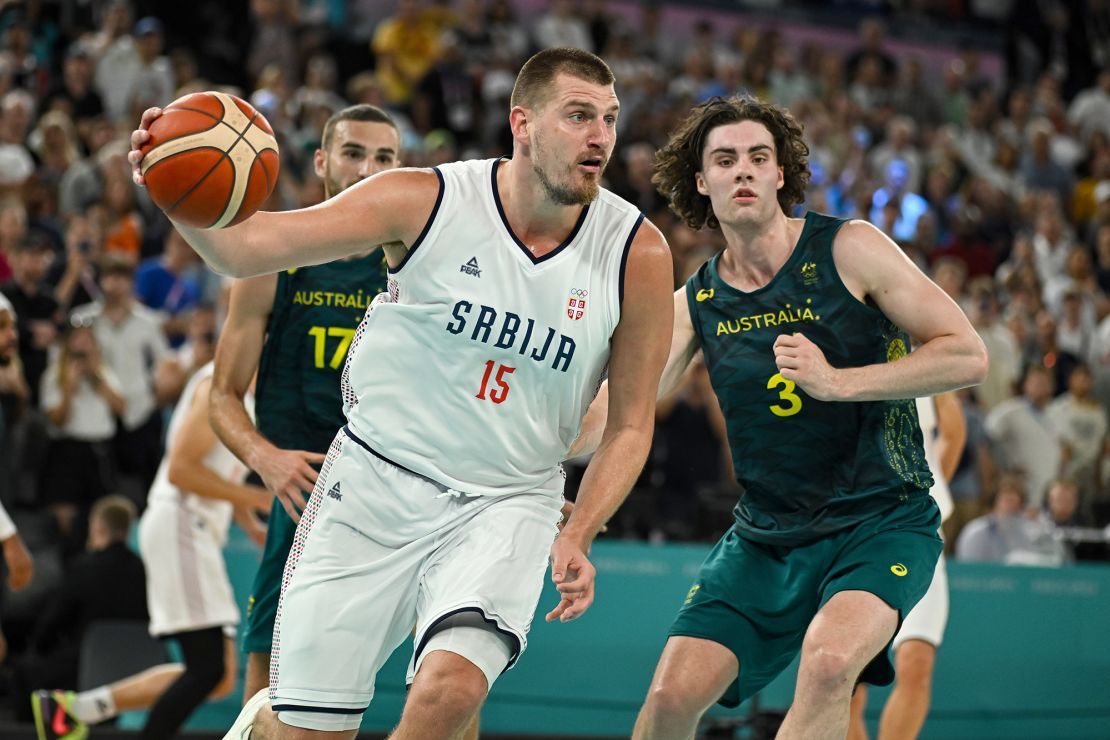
211	161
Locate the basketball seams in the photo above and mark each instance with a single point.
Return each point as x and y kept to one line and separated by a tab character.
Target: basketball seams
237	133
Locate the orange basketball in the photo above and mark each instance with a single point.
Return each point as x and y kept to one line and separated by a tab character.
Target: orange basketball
211	161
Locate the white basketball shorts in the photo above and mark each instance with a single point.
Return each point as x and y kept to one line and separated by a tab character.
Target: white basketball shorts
187	587
928	618
380	549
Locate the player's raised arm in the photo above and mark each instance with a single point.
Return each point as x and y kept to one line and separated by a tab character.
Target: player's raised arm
639	352
390	207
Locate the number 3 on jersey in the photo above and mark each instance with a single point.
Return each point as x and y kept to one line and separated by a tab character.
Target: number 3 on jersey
501	392
793	402
320	333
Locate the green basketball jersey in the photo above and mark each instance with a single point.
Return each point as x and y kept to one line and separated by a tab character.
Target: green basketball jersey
316	311
808	467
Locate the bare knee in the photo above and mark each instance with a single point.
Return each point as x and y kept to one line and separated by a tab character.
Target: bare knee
828	667
450	684
669	699
914	664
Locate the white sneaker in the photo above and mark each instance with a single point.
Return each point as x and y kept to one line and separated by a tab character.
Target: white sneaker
241	730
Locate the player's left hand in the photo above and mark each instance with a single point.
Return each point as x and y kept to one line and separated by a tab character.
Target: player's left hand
803	362
573	576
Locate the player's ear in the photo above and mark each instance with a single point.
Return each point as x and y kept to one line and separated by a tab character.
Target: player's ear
699	181
319	159
782	178
519	118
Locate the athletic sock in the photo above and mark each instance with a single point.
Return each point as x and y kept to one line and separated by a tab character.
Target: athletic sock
95	705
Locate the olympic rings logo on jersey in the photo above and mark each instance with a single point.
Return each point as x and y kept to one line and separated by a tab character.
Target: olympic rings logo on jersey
576	304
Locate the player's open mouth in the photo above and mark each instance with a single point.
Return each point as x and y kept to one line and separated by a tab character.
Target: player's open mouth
591	165
744	195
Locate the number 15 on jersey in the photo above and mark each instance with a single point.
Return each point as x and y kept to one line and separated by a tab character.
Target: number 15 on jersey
501	391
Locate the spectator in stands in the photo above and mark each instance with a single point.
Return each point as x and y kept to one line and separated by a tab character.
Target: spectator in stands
167	285
1007	534
73	94
35	306
871	50
1081	423
1039	170
81	396
1024	439
131	339
1002	347
405	45
154	82
106	582
1090	109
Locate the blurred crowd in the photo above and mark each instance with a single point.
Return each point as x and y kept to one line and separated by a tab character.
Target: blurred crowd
996	183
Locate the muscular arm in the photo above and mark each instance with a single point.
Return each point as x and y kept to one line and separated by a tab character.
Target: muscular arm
639	352
237	353
187	471
389	207
949	352
684	345
288	474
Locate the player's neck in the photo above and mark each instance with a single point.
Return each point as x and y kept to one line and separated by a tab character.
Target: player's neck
538	222
756	252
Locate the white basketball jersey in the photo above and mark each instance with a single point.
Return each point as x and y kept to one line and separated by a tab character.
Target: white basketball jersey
216	512
927	416
479	371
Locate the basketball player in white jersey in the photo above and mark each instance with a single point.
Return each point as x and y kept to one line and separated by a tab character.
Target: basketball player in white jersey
197	491
517	284
944	432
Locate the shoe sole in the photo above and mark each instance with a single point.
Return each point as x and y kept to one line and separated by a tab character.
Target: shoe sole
243	723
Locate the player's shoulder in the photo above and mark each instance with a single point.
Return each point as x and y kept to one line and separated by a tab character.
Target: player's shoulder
609	201
859	234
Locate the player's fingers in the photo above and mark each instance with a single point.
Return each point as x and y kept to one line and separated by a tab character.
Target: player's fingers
785	362
557	612
309	473
558	566
297	495
785	340
289	509
572	586
314	457
148	117
578	608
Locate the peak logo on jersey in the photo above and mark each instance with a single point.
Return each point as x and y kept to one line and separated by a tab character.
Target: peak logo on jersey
691	593
471	267
576	305
809	273
899	570
335	493
704	294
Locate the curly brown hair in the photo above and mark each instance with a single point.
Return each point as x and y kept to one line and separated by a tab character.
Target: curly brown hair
678	161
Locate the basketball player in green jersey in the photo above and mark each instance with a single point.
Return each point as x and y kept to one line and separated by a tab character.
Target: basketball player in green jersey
294	329
804	324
